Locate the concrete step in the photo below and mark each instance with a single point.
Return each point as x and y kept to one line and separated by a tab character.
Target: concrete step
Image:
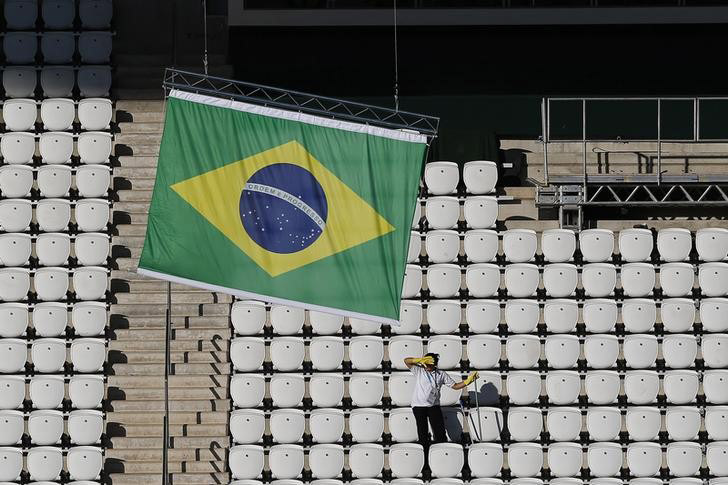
175	455
177	393
200	478
132	229
176	297
135	479
148	357
139	127
176	345
132	161
158	369
178	323
141	116
151	382
183	430
134	195
183	334
189	466
178	309
138	139
132	207
128	241
154	286
145	106
176	405
148	150
135	172
121	183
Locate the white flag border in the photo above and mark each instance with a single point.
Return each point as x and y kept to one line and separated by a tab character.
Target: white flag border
400	135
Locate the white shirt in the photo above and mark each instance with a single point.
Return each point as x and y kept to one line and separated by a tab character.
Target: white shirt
426	391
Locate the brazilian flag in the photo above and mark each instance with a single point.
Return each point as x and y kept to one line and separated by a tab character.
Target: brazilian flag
282	206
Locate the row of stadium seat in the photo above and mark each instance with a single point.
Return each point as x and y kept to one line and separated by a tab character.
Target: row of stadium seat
57	114
47	427
52	283
446	460
479	177
93	81
49	392
48	355
54	215
369	425
54	181
56	47
57	14
522	387
444	212
54	249
559	245
495	481
47	463
485	316
56	147
51	319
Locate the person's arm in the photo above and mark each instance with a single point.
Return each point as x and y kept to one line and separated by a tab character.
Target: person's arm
412	361
469	380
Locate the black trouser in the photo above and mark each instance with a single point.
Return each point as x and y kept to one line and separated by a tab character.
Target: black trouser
433	414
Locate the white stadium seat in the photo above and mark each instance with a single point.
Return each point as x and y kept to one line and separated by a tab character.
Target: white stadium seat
93	180
85	426
489	423
525	459
415	247
90	282
366	389
635	244
402	426
640	350
637	279
326	353
45	427
95	14
94	81
643	423
84	462
560	279
683	422
15	249
676	279
89	318
287	320
558	245
326	390
481	245
560	315
600	315
641	386
644	459
15	214
602	387
604	459
400	388
598	279
287	353
563	423
521	279
680	386
713	279
12	427
365	352
485	459
714	348
712	244
417	217
684	458
58	48
86	392
88	355
446	459
716	455
18	148
94	47
94	147
16	180
287	390
51	283
523	351
366	460
441	178
596	245
15	320
287	425
564	459
247	390
50	319
525	424
601	351
443	280
13	355
326	425
13	391
639	314
19	114
412	281
246	461
562	351
482	279
58	14
56	147
443	316
53	215
325	323
484	351
326	460
57	114
44	463
19	81
92	215
47	392
714	314
95	113
603	423
450	397
480	211
442	212
410	320
11	463
519	245
442	246
21	14
480	176
92	249
53	248
677	314
366	425
449	348
54	180
49	355
14	284
716	422
401	347
674	244
20	47
58	81
247	353
482	316
524	387
679	351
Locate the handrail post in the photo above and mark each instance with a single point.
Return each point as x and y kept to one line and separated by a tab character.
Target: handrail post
545	139
659	141
583	141
167	366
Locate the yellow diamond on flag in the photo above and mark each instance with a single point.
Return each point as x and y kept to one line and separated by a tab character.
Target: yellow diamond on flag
283	208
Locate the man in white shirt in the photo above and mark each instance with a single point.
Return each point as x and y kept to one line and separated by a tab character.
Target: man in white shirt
426	397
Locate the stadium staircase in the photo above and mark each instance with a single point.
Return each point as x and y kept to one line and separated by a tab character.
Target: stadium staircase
199	402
